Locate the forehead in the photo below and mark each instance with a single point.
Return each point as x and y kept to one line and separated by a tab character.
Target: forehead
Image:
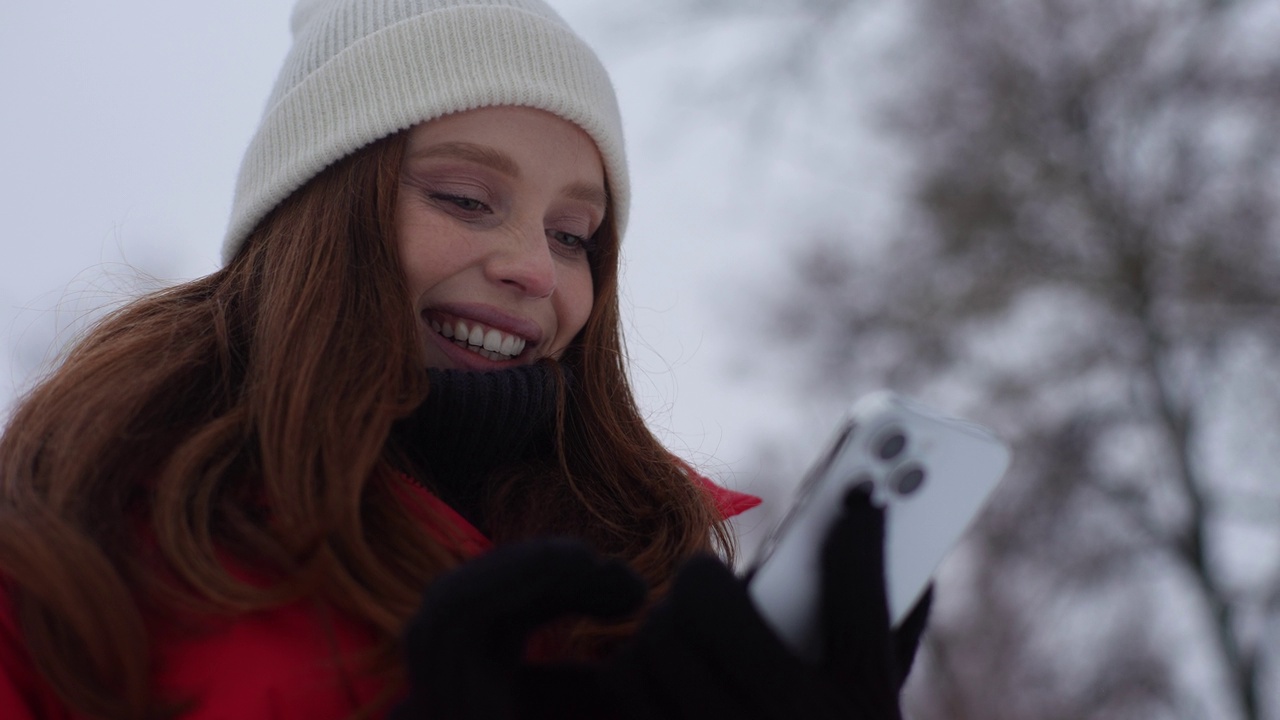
521	143
505	126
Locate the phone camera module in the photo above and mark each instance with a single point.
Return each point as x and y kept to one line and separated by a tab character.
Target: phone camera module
907	480
891	444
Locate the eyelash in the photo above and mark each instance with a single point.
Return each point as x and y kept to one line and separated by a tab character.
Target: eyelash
575	243
462	202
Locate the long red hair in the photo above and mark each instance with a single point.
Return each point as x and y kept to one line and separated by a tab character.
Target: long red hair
244	416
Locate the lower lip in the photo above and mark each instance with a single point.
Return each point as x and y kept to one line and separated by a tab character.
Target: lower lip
461	358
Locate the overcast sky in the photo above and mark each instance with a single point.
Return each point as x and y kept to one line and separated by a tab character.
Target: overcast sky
124	124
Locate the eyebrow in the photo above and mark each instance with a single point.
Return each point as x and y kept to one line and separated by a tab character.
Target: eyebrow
479	154
500	161
587	193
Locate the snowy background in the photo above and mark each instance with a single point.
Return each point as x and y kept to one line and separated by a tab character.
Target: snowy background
122	129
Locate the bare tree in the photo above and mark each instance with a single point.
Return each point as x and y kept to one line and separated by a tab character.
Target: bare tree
1089	261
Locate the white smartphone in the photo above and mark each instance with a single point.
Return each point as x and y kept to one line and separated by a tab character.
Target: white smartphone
931	473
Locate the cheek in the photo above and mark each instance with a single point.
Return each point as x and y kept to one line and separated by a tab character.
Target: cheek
408	248
426	254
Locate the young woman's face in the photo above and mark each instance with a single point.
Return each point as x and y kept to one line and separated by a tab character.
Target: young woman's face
494	220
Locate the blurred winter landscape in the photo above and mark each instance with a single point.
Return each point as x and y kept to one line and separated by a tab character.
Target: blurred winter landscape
1058	217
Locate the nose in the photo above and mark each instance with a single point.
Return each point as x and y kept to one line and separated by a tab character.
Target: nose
523	261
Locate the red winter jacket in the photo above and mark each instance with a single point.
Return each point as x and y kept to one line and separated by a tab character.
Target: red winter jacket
286	663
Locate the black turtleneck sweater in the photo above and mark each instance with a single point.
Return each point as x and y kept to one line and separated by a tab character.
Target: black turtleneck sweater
474	422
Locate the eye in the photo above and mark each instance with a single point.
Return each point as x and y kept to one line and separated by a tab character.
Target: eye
462	202
570	244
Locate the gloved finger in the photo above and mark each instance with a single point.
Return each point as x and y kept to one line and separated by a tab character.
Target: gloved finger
503	595
857	646
906	637
465	645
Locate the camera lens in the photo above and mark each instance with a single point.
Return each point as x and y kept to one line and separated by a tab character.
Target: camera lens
907	479
891	444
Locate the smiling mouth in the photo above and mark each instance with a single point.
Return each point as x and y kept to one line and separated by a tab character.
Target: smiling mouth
484	341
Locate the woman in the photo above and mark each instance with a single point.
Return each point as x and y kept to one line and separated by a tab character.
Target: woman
227	500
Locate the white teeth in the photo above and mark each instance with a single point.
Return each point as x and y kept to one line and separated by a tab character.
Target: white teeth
492	341
492	344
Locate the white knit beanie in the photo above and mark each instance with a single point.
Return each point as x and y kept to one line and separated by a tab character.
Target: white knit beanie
360	70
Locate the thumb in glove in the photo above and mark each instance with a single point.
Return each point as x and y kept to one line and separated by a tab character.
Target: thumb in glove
861	650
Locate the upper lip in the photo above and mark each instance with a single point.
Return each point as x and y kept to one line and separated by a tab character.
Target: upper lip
489	316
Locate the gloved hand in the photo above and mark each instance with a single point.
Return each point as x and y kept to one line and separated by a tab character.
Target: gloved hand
465	646
706	652
703	652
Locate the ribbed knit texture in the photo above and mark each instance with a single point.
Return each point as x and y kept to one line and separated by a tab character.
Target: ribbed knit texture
473	423
360	70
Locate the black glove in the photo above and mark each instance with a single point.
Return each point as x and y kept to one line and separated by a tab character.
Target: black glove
465	646
703	652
